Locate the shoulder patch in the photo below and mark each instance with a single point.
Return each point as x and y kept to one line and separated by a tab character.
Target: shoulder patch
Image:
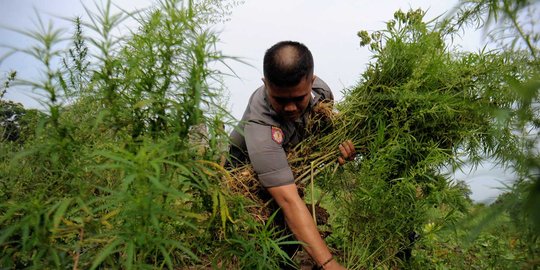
277	135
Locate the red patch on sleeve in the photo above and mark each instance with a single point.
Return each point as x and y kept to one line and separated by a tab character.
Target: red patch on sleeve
277	135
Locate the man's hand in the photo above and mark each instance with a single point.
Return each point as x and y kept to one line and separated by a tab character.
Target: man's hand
347	151
301	224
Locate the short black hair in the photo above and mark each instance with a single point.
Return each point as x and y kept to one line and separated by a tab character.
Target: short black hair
287	63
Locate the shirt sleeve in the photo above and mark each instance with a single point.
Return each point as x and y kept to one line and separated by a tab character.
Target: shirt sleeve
323	89
267	156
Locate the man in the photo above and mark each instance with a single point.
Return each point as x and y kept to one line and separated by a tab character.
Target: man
273	122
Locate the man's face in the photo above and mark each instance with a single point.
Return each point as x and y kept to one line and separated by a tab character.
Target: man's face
290	102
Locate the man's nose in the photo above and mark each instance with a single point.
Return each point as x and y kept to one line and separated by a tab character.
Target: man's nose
290	107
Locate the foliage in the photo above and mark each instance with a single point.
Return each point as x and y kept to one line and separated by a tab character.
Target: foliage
115	176
16	122
262	248
423	106
420	107
500	244
511	24
122	169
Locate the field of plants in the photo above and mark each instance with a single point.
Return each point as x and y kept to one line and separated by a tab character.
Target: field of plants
124	166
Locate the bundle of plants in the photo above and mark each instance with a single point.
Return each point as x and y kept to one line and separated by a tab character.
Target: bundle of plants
424	108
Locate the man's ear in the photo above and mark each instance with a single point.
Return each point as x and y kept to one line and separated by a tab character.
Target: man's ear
313	79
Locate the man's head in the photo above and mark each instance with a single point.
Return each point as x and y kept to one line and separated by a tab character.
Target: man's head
288	77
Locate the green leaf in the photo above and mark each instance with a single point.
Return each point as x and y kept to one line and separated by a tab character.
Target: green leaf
130	255
143	103
127	181
7	232
179	245
223	209
166	257
106	252
12	210
215	202
155	181
60	211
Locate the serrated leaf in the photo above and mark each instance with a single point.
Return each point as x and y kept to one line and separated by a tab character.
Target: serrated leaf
60	211
105	252
155	181
7	232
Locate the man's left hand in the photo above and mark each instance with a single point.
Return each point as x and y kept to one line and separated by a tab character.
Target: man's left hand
347	152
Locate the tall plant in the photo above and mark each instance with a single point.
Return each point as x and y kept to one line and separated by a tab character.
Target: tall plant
113	177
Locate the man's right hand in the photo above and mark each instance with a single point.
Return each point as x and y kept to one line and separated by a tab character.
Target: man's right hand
301	223
347	152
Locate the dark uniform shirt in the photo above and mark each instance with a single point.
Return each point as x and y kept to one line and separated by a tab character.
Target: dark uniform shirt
262	136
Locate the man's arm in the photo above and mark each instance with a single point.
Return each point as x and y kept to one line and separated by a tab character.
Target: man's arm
299	219
302	225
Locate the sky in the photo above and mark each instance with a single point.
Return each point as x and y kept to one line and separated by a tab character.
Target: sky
327	28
